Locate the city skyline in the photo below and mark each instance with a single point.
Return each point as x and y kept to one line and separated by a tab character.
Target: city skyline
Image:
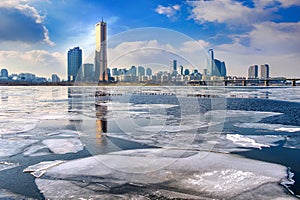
241	33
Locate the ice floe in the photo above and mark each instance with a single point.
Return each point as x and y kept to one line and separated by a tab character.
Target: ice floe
244	141
271	127
146	171
39	169
14	127
10	147
63	146
35	150
7	165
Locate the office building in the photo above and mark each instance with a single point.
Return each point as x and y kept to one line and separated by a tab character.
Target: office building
253	72
55	78
186	72
215	66
88	71
141	71
265	71
181	70
4	73
101	52
148	72
74	63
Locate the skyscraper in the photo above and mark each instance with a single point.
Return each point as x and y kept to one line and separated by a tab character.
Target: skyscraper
88	69
74	62
148	72
101	52
4	73
141	71
264	71
253	72
211	64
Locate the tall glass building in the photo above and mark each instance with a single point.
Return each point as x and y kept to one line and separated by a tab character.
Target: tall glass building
265	71
253	72
74	63
101	52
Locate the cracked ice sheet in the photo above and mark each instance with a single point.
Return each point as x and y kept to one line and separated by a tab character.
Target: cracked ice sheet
10	147
5	194
271	127
200	174
63	146
17	126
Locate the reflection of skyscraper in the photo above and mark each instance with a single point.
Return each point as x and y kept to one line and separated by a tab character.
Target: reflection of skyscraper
101	52
74	62
253	72
264	71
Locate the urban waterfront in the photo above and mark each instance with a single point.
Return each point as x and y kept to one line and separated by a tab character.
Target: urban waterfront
149	142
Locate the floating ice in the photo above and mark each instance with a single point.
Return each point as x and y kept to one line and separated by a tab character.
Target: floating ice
63	146
207	175
34	150
5	194
39	169
10	147
244	141
7	165
14	127
271	127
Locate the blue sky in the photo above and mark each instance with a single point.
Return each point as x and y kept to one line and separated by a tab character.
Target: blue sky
35	35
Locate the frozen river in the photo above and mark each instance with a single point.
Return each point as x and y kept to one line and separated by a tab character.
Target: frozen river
140	142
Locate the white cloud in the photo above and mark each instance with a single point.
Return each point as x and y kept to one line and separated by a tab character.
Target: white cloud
274	43
226	11
24	7
32	61
169	11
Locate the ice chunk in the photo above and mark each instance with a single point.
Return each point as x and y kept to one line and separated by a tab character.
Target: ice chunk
32	150
10	147
271	127
5	194
244	141
209	175
7	165
63	146
14	127
39	169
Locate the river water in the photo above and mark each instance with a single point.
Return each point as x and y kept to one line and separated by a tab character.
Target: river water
124	142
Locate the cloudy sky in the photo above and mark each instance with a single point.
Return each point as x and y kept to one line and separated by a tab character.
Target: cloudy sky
35	35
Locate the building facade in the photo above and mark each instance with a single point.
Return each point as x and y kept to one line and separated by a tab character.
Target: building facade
88	71
264	71
253	72
74	63
101	52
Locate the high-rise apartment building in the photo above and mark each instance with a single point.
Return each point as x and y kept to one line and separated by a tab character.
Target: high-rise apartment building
253	72
264	71
101	52
74	63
